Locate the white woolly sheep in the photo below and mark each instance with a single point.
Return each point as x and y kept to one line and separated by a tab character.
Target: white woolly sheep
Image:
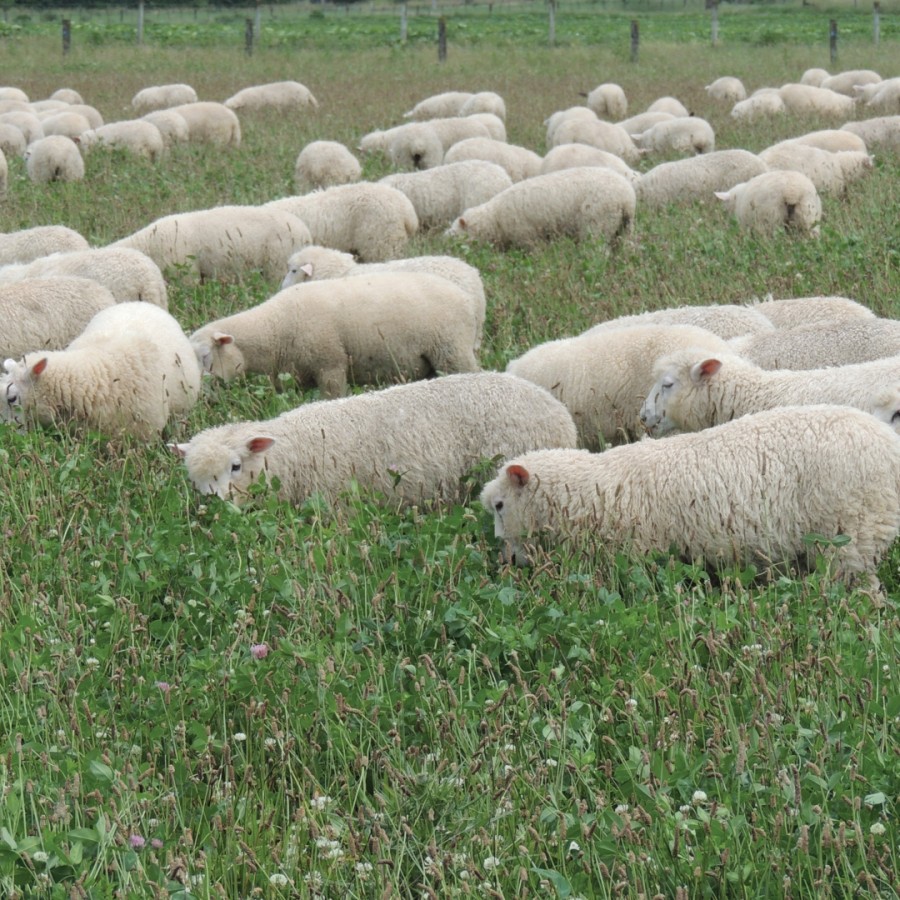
162	96
814	76
323	164
414	443
573	156
47	313
496	128
794	312
374	222
727	89
831	139
697	178
597	133
696	390
210	123
129	274
831	173
883	98
774	200
127	372
42	240
845	82
519	162
44	108
283	95
412	146
688	135
91	113
552	122
748	492
66	123
608	101
222	242
315	262
603	376
671	105
727	320
588	203
54	158
764	102
823	344
363	330
442	193
440	106
27	122
809	100
879	133
482	102
136	136
171	125
13	93
12	141
642	121
67	95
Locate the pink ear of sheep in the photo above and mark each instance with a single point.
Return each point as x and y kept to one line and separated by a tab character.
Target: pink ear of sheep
705	369
220	339
517	474
307	269
179	450
260	444
38	368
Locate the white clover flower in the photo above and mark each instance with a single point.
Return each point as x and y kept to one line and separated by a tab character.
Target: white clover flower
877	829
621	809
278	880
364	869
320	801
39	856
631	704
314	880
490	863
92	663
551	762
699	797
270	743
240	737
574	847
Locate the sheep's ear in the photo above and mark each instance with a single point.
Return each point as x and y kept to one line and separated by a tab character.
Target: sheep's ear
462	223
307	269
9	364
722	195
179	450
38	368
705	369
220	339
517	474
260	444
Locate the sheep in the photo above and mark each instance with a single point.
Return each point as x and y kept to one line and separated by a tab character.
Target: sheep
442	193
727	89
172	127
367	329
69	124
54	158
689	135
323	164
809	100
67	95
751	491
129	274
883	98
287	96
727	320
449	103
774	200
764	102
597	133
587	203
47	313
136	136
845	82
879	133
830	343
642	121
27	122
608	101
211	123
603	376
126	373
831	173
13	93
162	96
12	141
814	76
41	240
315	262
519	162
91	113
794	312
671	105
222	242
696	390
483	102
571	156
44	108
412	146
831	139
414	443
374	222
573	113
697	178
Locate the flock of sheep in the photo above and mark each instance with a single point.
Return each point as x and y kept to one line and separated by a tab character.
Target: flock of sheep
775	420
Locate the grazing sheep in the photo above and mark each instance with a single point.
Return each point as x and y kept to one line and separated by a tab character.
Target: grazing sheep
723	319
67	95
697	178
129	274
573	113
845	82
47	313
727	89
519	162
323	164
363	330
42	240
496	127
809	100
172	127
696	390
603	376
573	156
482	102
608	101
222	242
831	173
91	113
162	96
814	76
412	146
688	135
879	133
12	141
136	136
442	193
670	105
588	203
642	121
127	372
831	139
54	158
764	102
210	123
748	492
775	200
27	122
793	312
414	443
440	106
14	94
883	98
597	133
66	123
374	222
283	95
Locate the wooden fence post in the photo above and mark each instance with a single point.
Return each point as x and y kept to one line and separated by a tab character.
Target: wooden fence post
248	36
635	39
442	39
403	25
876	10
140	25
551	25
713	7
257	21
832	39
66	34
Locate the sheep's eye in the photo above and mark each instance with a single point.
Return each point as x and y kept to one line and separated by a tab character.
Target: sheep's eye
667	382
235	468
12	395
896	416
498	506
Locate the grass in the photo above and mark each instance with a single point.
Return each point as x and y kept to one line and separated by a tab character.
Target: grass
204	701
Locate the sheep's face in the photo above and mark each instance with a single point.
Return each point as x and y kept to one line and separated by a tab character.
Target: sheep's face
15	387
297	273
886	406
661	412
505	497
219	355
222	467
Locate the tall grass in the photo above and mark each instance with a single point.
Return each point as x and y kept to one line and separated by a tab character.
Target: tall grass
205	701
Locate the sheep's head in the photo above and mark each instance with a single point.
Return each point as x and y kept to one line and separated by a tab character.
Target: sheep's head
16	386
217	463
668	407
297	273
886	406
504	497
218	354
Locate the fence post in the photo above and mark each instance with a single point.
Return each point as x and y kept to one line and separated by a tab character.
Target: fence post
442	39
713	7
257	22
832	39
635	39
403	26
248	36
66	34
140	27
551	27
876	9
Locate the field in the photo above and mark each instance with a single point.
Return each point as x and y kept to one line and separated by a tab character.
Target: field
198	700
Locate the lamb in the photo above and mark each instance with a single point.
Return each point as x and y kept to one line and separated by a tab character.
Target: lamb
162	96
831	173
809	100
571	156
727	89
315	262
287	96
774	200
41	240
365	330
697	178
137	136
222	242
587	203
129	274
816	346
414	443
879	133
47	313
696	390
794	312
374	222
608	101
127	372
748	492
723	319
172	127
845	82
689	135
449	103
764	102
323	164
597	133
519	162
602	376
12	141
442	193
210	123
483	102
54	158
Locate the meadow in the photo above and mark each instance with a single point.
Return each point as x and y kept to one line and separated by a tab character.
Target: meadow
200	700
